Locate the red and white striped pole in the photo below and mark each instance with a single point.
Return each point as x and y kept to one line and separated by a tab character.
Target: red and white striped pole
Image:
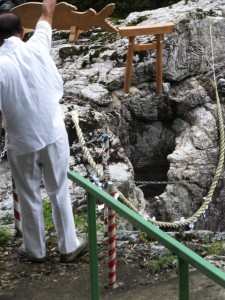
111	189
105	154
105	166
105	215
16	206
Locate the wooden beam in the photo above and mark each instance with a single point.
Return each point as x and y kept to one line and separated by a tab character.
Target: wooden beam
145	47
128	72
159	56
146	29
74	33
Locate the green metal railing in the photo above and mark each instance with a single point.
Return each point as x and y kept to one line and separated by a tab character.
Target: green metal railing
184	254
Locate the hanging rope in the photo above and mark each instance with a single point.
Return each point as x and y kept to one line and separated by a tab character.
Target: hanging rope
2	154
201	211
87	154
208	198
219	167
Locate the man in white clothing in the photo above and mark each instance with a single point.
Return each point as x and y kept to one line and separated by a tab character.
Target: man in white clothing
36	138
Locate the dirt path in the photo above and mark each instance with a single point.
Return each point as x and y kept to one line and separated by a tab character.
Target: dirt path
21	280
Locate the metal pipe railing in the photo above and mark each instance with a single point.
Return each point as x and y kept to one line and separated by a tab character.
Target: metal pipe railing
184	254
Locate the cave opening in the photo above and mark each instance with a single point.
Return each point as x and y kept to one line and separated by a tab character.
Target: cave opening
151	179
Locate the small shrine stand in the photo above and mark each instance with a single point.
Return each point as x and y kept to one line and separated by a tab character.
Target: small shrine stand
131	32
66	17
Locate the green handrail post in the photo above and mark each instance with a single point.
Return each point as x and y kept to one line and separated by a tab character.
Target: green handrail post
93	251
183	275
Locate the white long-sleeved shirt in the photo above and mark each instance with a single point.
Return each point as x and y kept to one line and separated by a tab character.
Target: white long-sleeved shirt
30	90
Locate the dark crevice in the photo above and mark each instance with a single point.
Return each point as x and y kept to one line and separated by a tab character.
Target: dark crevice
153	175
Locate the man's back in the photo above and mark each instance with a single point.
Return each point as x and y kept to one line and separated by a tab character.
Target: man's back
32	90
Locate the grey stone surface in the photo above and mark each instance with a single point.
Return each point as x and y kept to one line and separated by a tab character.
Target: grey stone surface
178	129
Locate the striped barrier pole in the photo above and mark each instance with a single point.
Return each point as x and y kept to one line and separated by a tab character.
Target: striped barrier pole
105	215
16	206
105	166
111	189
105	154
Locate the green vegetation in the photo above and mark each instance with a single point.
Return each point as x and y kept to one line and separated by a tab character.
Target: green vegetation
122	8
139	20
215	248
205	249
79	219
47	210
166	260
5	235
143	237
81	222
207	239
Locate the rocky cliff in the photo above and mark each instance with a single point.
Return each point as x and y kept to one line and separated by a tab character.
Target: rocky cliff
176	132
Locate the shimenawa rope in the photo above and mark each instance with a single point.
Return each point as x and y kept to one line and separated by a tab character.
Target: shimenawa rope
213	185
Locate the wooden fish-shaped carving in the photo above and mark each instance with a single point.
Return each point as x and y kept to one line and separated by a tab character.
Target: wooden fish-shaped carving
66	17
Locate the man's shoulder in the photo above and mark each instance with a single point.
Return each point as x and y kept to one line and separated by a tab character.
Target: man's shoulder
10	44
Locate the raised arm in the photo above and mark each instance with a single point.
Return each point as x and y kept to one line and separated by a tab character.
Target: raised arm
48	8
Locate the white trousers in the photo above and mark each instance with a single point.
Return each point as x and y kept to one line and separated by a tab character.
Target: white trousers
50	163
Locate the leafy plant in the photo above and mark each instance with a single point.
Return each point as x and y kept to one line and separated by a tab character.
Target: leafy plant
139	20
5	235
81	221
122	8
143	237
215	248
47	210
207	239
156	265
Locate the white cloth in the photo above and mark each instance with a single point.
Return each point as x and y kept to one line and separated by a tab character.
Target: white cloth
30	90
27	172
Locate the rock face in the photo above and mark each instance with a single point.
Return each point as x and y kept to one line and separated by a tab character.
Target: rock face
178	129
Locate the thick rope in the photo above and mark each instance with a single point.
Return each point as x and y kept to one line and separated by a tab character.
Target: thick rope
90	160
219	167
217	174
87	154
208	198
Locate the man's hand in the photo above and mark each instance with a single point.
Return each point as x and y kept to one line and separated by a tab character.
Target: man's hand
48	8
